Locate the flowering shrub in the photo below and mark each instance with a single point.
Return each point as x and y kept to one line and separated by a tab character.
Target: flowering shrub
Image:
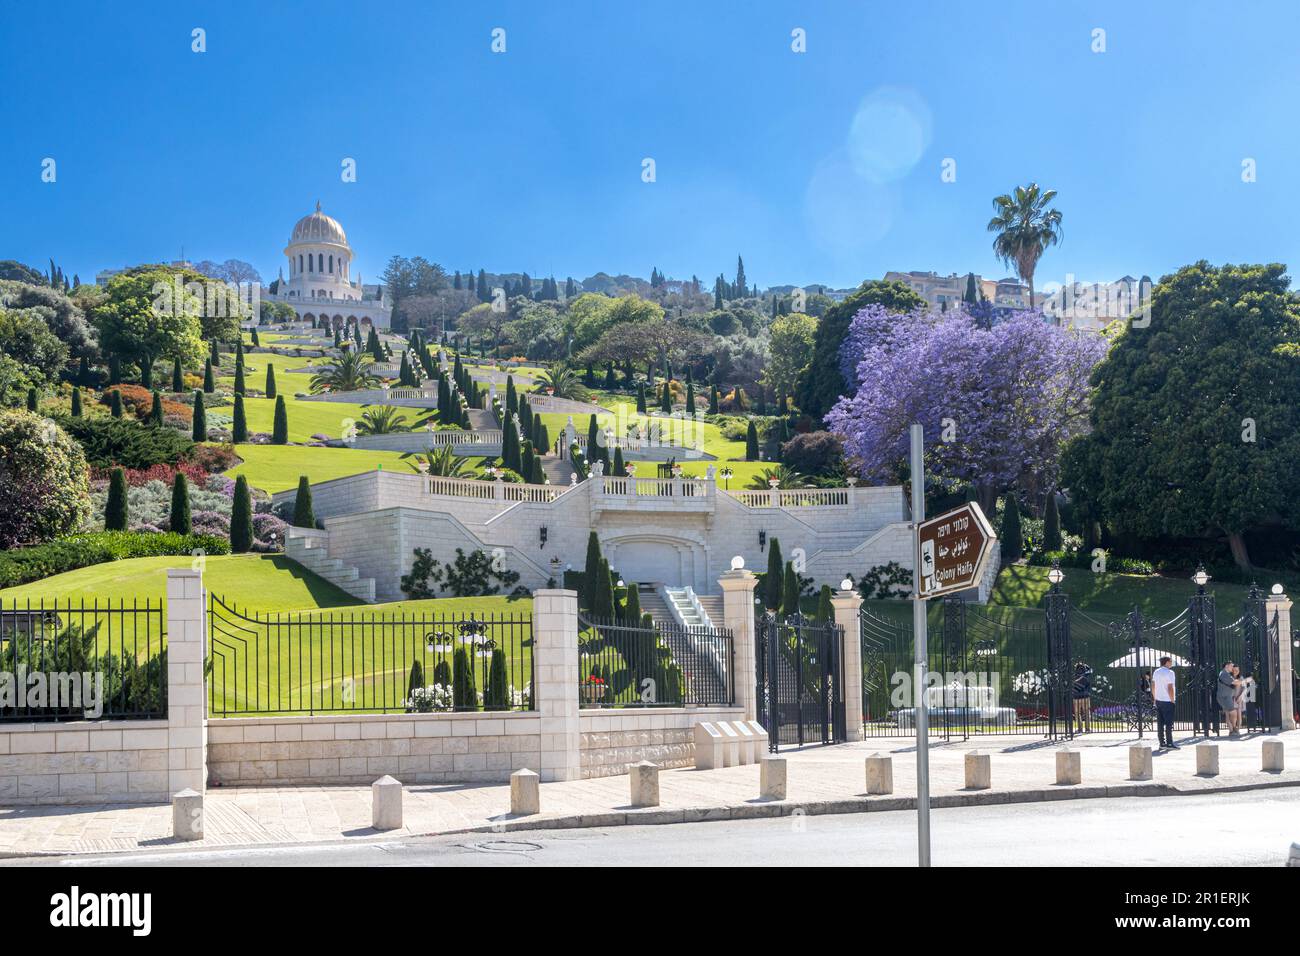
135	477
136	399
436	698
215	457
266	525
1030	683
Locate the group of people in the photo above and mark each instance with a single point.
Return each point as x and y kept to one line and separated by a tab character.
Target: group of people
1231	695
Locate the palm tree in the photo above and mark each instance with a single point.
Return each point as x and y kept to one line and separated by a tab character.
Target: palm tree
443	463
563	383
1025	227
383	420
786	477
350	373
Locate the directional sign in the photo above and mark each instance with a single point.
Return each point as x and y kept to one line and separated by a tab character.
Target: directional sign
953	550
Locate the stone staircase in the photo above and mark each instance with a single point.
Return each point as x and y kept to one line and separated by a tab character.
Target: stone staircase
310	549
712	604
702	679
560	472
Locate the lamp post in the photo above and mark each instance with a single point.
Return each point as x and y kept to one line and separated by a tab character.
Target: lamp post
1059	702
1203	640
725	474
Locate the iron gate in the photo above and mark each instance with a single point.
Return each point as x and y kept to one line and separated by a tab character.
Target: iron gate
1063	671
800	668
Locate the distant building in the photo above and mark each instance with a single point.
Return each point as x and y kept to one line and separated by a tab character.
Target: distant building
946	292
320	284
104	275
1094	305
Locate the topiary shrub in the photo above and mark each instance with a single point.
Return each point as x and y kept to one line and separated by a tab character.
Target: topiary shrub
42	468
178	520
116	516
303	515
241	518
496	696
463	693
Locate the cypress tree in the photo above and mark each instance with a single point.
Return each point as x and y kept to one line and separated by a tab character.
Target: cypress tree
593	434
114	402
239	428
510	457
690	399
241	518
178	378
773	581
270	381
257	343
83	372
114	371
76	402
825	610
537	475
239	376
156	409
200	430
619	469
666	398
1052	525
215	354
179	517
496	695
603	605
146	373
303	516
591	572
116	517
632	609
640	397
33	400
713	399
751	442
464	695
280	429
415	681
209	382
512	399
1012	543
526	460
790	591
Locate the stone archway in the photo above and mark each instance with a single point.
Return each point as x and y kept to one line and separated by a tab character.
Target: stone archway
675	560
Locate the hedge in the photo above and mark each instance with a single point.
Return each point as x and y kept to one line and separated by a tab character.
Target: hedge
24	565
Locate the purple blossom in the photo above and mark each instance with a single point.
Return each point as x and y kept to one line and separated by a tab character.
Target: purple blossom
1012	394
210	522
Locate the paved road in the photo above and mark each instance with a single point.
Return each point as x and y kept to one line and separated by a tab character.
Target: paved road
1226	830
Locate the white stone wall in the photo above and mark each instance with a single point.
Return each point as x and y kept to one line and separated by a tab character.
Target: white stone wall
92	761
613	738
675	540
346	749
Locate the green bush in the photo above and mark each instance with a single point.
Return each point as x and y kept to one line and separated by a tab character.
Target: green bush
24	565
44	490
111	441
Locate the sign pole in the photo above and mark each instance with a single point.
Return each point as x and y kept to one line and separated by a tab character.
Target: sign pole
922	717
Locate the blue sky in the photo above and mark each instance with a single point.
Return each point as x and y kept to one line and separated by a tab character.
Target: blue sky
532	159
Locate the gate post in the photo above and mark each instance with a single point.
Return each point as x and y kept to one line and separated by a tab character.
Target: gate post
847	604
1278	616
1060	695
187	726
738	616
555	662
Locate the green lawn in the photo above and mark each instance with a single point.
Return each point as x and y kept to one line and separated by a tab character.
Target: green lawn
308	418
1157	597
275	468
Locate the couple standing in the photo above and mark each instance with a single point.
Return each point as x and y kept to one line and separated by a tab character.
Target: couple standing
1231	696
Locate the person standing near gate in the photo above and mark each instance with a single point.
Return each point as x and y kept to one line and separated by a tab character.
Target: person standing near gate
1162	689
1226	697
1082	692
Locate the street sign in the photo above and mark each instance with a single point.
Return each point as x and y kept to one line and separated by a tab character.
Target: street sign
953	549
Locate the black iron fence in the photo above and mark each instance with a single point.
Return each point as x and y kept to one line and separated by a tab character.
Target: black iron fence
1061	671
625	664
800	680
79	660
321	662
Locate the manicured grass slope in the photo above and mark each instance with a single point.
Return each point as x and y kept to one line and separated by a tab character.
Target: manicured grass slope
275	468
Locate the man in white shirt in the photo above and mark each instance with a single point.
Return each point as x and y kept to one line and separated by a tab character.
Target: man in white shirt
1162	689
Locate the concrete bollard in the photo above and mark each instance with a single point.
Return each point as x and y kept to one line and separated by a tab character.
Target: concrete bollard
880	774
752	747
1139	762
1273	756
1069	768
525	792
979	771
644	777
772	778
386	804
1207	760
187	815
708	746
730	744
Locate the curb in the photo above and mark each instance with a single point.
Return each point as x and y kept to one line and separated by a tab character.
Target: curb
751	810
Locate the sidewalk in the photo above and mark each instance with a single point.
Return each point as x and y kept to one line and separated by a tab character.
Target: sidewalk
821	780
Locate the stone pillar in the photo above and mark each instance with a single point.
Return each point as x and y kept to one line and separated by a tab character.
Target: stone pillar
1278	608
555	664
187	726
847	604
738	617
